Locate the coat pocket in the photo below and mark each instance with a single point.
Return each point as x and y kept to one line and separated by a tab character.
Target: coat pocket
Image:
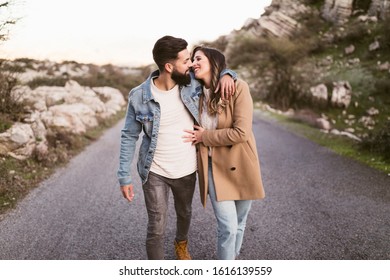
248	150
147	123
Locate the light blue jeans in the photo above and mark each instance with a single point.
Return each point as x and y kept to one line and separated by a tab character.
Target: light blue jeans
231	218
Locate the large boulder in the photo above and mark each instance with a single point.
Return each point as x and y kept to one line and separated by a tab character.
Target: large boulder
337	11
18	141
69	109
341	94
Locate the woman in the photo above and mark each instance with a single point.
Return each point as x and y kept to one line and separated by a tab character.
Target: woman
228	164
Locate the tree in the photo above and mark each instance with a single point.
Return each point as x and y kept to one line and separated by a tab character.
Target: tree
10	108
5	20
275	58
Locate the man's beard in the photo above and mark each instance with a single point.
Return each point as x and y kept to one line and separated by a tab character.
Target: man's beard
181	79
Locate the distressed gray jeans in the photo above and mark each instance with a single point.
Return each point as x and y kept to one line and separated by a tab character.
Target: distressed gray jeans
156	193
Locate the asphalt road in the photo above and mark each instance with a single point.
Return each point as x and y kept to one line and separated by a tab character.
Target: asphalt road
318	206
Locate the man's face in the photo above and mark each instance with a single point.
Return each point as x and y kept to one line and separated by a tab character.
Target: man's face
181	68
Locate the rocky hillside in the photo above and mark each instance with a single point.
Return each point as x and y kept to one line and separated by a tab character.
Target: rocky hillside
52	99
49	112
326	62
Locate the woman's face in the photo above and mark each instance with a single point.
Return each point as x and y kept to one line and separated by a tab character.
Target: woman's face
201	67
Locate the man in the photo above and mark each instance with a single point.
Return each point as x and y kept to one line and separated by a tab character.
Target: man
162	107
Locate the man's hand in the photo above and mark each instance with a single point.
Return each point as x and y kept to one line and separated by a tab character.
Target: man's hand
128	192
227	86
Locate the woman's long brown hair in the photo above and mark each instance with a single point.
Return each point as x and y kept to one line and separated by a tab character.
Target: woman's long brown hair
217	64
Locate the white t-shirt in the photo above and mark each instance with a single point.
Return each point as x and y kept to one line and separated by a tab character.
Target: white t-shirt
173	158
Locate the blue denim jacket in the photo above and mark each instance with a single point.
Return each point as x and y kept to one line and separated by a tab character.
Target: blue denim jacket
143	115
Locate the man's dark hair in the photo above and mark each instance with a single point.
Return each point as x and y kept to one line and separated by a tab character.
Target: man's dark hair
166	49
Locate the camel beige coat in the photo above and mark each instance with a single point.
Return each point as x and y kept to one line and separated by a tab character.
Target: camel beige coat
235	162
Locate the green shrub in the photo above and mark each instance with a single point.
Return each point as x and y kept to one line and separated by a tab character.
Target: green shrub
5	122
382	88
361	5
316	3
245	50
11	109
385	34
221	43
361	80
26	63
47	81
356	34
5	65
110	76
379	142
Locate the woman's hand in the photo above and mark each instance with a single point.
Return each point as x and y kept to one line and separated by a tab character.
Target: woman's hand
227	86
194	136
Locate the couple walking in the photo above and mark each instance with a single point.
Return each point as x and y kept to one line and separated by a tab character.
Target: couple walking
196	116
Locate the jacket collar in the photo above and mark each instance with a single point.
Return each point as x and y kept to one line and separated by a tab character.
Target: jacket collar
146	88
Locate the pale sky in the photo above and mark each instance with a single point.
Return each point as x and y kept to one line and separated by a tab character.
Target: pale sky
120	32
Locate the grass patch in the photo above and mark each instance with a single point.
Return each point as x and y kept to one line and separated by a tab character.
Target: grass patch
17	179
339	144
